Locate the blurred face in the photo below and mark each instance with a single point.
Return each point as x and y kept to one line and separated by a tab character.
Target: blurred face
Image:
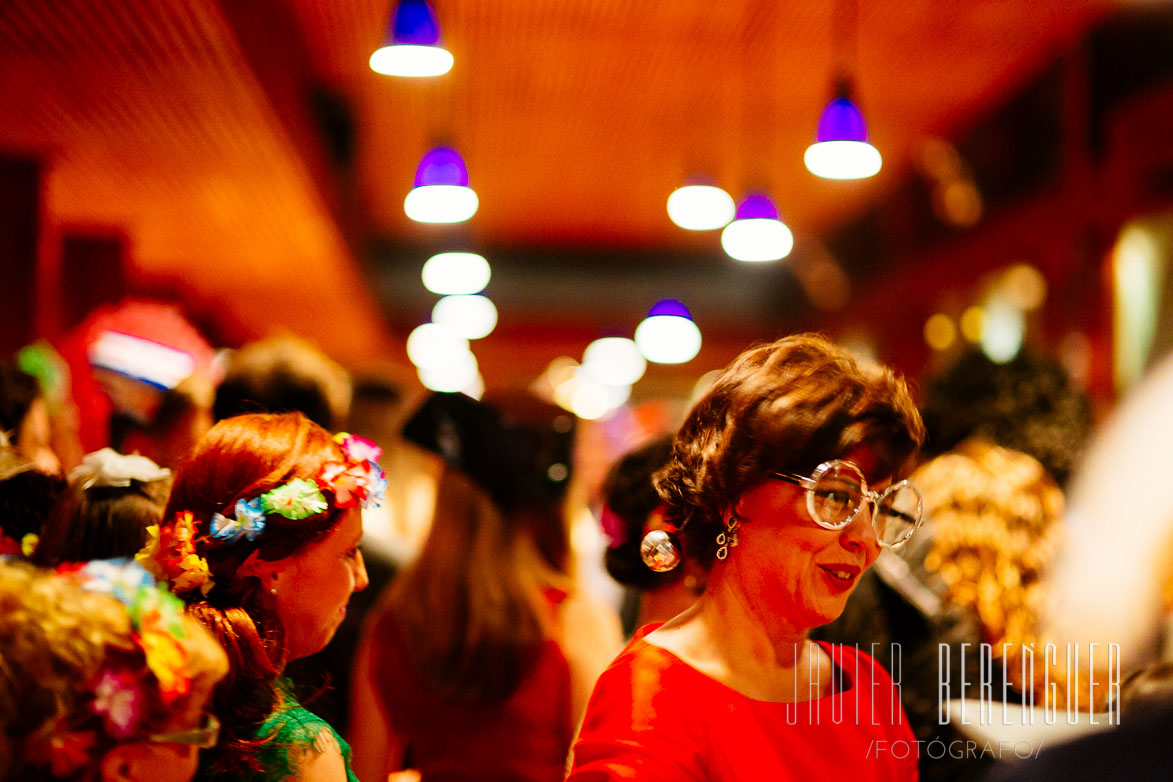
791	568
33	439
162	761
314	585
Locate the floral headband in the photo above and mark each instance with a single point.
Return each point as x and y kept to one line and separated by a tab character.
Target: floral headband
120	692
170	552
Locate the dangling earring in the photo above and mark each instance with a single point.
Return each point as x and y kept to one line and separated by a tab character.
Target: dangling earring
660	551
728	538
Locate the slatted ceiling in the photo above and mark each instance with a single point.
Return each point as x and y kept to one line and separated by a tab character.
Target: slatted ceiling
562	95
155	124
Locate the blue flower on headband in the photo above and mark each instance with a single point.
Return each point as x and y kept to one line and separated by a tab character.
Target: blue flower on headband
377	493
249	521
120	578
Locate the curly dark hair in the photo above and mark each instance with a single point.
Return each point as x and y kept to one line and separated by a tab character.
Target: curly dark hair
782	407
629	494
1028	404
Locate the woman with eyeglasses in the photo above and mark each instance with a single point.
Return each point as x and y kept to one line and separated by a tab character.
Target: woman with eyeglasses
102	677
786	481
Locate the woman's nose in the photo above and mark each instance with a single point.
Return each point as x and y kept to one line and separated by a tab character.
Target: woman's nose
860	534
361	581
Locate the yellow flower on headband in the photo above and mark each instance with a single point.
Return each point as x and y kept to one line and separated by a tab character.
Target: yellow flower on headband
167	659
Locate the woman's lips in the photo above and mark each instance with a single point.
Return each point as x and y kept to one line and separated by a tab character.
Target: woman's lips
841	577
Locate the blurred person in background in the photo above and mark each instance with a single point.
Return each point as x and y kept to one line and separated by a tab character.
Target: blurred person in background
631	510
1028	404
261	540
102	677
27	498
785	481
183	415
1041	421
477	663
104	514
281	375
24	418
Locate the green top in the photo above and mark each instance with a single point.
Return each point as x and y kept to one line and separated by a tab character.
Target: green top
292	730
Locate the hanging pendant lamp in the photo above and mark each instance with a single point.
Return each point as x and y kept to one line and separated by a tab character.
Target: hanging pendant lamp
700	206
841	149
412	45
441	193
757	233
668	334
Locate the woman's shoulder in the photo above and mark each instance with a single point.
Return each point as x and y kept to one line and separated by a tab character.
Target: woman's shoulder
298	738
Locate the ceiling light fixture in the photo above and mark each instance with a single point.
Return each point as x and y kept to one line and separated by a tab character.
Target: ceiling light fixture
841	149
700	206
469	316
456	272
757	233
668	335
412	45
441	193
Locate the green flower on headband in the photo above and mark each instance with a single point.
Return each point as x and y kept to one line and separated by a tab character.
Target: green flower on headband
297	499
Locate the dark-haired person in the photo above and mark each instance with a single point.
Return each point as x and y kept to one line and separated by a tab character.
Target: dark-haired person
27	498
24	418
632	509
261	541
104	513
785	479
478	663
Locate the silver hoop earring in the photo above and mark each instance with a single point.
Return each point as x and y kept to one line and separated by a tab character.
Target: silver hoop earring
728	538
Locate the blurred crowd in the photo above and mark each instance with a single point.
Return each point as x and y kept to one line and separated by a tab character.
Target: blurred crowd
252	564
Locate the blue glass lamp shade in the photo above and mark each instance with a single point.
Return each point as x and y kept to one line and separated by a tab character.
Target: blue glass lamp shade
441	193
757	233
413	47
668	335
841	149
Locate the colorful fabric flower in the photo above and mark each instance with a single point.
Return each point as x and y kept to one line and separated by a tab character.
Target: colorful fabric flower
249	521
118	577
613	527
167	659
295	500
170	556
118	698
358	449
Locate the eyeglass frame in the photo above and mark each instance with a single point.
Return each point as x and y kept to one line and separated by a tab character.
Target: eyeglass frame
868	496
205	737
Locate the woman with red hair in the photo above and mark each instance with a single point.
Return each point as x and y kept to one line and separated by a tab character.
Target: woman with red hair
261	542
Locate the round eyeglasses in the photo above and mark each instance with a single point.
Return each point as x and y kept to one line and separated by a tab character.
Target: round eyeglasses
837	491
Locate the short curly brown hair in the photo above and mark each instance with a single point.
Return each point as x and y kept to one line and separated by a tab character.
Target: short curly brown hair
786	406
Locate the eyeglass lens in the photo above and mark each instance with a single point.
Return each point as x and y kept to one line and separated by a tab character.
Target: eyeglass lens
837	493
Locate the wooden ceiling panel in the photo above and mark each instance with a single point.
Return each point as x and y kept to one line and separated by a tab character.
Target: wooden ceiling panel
152	122
577	118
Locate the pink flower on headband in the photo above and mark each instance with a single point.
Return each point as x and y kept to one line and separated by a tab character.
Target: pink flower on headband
351	483
118	697
613	527
358	449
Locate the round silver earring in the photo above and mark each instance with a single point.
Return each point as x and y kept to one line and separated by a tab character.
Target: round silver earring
273	590
659	551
